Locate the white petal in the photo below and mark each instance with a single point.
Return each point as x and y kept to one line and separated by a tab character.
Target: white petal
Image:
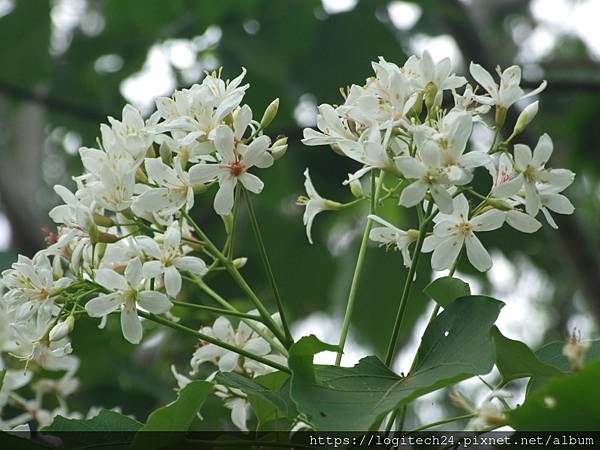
191	264
442	198
477	254
152	269
133	272
224	143
542	151
532	199
558	203
155	302
522	156
103	305
258	346
256	150
484	78
223	329
228	362
510	187
413	194
239	413
410	167
223	202
203	173
172	281
110	279
489	220
446	252
131	325
251	182
522	222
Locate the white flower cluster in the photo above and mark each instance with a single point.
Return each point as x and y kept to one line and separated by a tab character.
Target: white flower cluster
413	125
246	338
123	243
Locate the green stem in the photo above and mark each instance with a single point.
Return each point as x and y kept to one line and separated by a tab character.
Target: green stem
442	422
211	309
239	279
407	286
268	269
232	348
375	189
229	307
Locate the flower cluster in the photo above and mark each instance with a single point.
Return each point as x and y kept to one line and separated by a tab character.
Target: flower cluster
125	242
412	125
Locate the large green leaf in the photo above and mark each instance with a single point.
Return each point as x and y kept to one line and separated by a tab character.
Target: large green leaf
445	290
176	416
456	345
515	360
571	402
268	394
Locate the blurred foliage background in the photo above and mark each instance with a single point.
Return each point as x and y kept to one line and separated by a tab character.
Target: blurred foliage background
67	64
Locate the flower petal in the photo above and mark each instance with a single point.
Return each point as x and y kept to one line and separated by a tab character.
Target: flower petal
103	305
110	279
155	302
477	254
131	324
172	281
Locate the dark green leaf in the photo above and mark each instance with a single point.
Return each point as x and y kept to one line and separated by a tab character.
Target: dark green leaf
456	345
571	402
515	360
445	290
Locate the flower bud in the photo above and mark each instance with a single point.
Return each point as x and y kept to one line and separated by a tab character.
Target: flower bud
279	147
356	188
165	154
62	329
269	114
525	118
150	153
499	204
107	238
57	269
238	263
103	221
94	233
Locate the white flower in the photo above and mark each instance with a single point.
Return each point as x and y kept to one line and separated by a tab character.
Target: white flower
389	235
429	177
169	259
451	232
333	129
489	413
234	165
132	131
531	171
126	292
174	193
508	92
228	361
314	204
424	71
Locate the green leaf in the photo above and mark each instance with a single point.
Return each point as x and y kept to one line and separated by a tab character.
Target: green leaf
106	421
445	290
515	360
268	394
456	345
109	427
176	416
571	402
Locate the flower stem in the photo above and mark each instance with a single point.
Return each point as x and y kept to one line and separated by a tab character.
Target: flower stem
267	264
211	309
375	189
239	279
176	326
407	286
